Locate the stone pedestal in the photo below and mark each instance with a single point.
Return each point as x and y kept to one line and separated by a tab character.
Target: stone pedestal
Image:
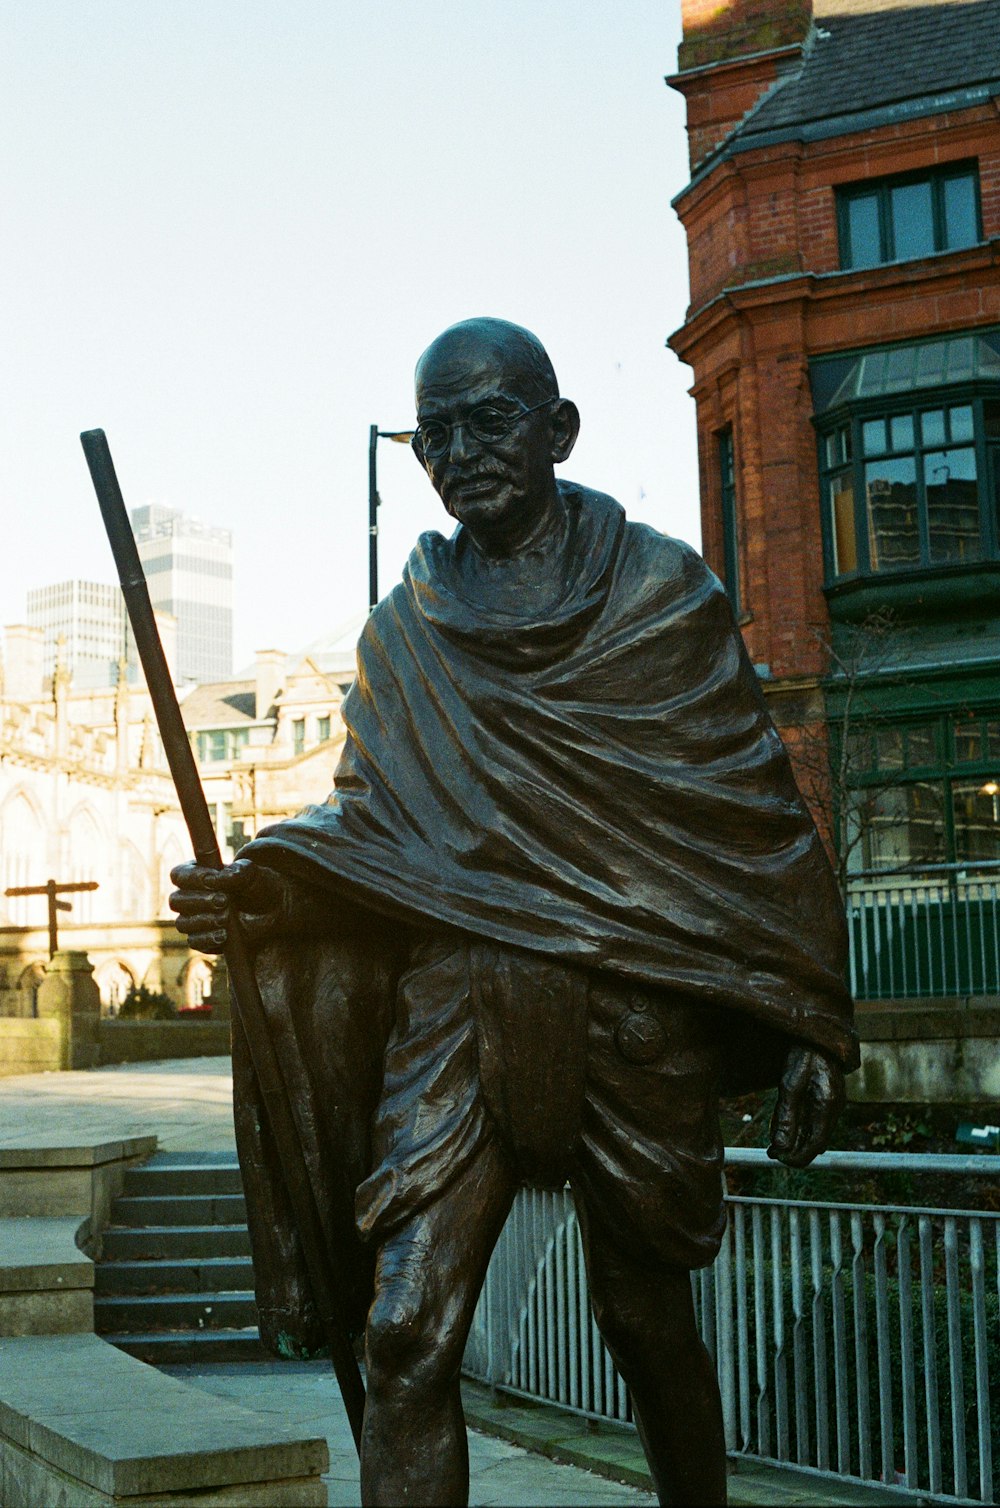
69	995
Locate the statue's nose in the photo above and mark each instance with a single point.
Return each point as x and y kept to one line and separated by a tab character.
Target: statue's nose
463	443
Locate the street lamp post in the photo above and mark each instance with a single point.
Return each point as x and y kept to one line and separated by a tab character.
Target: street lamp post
401	437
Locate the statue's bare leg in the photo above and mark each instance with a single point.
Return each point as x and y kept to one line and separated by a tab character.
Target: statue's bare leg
646	1315
414	1448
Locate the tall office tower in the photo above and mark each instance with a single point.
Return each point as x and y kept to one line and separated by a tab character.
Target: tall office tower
189	568
89	617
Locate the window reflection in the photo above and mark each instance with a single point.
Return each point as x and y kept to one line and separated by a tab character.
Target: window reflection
906	825
976	809
952	505
893	523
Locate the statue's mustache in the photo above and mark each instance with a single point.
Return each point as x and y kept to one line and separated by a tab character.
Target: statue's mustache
461	479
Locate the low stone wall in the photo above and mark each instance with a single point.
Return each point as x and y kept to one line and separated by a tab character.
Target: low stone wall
927	1052
69	1031
29	1046
150	1041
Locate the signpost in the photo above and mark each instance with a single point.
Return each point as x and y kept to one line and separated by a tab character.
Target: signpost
53	889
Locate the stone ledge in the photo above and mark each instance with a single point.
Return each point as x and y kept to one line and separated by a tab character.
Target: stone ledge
44	1154
80	1418
42	1253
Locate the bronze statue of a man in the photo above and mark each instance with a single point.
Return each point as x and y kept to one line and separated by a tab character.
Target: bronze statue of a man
564	892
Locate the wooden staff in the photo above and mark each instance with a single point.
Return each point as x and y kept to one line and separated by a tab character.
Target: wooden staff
321	1261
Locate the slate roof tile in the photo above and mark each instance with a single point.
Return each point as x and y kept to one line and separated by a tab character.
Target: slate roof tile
863	55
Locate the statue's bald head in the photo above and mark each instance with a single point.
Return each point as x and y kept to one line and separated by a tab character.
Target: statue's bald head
517	356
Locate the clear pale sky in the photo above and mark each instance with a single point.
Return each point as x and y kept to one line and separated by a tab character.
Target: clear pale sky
229	227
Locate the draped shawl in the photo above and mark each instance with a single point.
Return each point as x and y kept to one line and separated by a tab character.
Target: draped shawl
586	769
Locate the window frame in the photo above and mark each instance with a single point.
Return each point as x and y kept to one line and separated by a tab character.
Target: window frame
946	771
725	449
850	420
882	188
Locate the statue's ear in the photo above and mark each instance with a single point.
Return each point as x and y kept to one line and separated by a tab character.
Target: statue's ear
565	428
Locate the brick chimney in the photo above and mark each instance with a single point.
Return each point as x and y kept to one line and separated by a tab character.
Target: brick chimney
22	662
731	54
270	676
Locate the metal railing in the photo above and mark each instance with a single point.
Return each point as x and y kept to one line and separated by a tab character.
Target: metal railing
853	1340
932	931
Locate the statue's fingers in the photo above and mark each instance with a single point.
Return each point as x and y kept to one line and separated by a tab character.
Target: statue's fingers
820	1109
200	921
198	902
787	1115
208	942
195	876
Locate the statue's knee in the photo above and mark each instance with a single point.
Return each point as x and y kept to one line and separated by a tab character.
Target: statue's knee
403	1346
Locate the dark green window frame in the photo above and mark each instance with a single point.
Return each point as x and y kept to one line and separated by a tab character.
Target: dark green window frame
874	209
727	501
928	786
926	436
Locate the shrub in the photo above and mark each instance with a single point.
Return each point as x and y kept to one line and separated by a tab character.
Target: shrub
142	1004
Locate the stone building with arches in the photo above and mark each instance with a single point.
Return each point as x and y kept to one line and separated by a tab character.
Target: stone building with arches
85	794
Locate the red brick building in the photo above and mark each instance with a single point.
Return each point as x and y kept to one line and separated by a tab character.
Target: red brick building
843	225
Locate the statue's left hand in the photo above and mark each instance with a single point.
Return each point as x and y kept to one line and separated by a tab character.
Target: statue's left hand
810	1097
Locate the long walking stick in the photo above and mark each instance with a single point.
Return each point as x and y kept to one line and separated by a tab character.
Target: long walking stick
321	1262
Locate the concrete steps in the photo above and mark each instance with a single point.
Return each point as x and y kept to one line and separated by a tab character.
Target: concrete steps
175	1283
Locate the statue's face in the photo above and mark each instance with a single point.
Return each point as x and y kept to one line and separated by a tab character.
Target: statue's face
491	485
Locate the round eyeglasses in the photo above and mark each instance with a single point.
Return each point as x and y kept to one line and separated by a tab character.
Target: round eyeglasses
485	424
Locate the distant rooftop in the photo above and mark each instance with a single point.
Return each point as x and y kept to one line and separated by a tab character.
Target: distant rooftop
220	704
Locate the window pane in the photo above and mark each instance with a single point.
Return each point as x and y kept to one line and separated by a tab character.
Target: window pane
899	370
873	437
960	228
993	738
991	420
968	742
901	432
921	745
905	825
932	426
859	751
864	242
889	748
893	527
912	220
952	504
976	808
931	362
961	422
961	358
845	549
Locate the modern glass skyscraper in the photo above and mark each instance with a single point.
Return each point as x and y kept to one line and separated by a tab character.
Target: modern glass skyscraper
89	617
189	568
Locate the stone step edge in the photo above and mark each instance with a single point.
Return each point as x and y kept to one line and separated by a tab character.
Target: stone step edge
153	1265
154	1230
202	1296
135	1336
